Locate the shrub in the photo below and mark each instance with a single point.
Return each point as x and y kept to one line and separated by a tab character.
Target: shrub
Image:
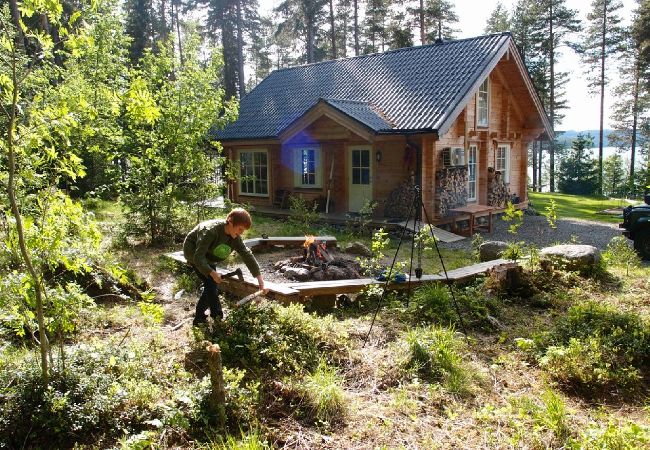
323	395
620	253
435	354
303	215
432	303
276	339
101	393
596	346
612	436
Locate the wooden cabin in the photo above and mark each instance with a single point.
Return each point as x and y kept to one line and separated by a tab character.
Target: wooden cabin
454	118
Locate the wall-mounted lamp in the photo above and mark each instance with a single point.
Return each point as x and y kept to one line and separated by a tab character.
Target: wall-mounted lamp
378	156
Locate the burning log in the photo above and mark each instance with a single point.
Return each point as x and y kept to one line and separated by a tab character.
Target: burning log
316	263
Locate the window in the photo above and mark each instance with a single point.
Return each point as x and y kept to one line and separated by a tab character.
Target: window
502	163
361	166
308	169
254	172
483	104
472	163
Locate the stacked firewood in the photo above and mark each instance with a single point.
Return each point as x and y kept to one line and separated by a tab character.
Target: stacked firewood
400	200
498	193
451	189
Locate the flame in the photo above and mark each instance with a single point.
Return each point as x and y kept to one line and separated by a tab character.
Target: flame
309	239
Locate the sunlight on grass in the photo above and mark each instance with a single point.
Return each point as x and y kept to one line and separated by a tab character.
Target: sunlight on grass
578	206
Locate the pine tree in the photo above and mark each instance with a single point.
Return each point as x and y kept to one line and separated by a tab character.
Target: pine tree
554	22
435	19
376	26
601	41
400	32
630	109
498	21
260	51
577	174
302	19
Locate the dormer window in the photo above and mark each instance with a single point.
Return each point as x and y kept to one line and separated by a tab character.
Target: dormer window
483	104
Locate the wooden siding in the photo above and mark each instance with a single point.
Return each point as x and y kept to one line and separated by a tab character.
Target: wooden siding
513	120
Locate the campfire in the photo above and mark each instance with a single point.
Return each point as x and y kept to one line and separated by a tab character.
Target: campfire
316	263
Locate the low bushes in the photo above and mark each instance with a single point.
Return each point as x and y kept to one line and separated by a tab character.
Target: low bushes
278	340
433	303
101	393
595	347
435	355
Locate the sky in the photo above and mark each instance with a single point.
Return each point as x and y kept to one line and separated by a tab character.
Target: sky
583	111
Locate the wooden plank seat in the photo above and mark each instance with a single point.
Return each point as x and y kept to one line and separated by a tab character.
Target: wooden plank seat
311	288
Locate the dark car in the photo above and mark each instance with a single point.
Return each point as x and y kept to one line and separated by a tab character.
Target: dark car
636	221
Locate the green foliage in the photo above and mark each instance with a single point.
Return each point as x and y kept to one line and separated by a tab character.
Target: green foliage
278	340
432	303
551	214
531	422
514	251
596	346
303	215
436	355
514	216
620	253
477	241
103	391
323	396
614	435
373	266
166	122
246	441
359	224
578	172
153	313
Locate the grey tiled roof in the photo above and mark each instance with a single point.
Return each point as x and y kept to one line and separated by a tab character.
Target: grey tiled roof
362	112
410	89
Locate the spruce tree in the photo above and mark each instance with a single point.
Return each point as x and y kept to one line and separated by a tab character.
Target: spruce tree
577	174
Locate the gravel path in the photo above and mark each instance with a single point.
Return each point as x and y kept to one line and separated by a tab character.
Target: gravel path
536	230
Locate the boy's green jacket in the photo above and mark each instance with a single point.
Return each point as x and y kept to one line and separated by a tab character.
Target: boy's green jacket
208	244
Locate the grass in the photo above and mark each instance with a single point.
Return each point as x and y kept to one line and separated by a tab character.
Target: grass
578	206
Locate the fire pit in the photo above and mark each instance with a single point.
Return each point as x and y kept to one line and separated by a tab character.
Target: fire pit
316	263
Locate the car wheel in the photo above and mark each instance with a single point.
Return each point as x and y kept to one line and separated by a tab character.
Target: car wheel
642	243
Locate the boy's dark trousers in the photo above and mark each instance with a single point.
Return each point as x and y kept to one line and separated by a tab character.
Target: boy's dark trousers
209	299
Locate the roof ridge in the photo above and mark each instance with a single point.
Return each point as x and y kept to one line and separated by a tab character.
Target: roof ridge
395	50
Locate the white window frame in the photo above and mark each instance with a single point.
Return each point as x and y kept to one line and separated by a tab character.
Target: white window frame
248	179
483	104
472	166
502	161
301	171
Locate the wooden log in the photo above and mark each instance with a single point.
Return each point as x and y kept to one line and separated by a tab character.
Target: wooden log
218	393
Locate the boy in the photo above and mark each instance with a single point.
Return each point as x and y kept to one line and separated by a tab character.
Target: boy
213	241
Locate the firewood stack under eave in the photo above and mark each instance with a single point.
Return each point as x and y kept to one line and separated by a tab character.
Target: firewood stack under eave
451	189
498	193
400	200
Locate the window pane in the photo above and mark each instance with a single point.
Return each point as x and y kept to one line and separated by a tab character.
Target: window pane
365	158
356	176
365	176
356	158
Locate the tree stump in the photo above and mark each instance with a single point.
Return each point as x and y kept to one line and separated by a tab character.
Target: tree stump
218	394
